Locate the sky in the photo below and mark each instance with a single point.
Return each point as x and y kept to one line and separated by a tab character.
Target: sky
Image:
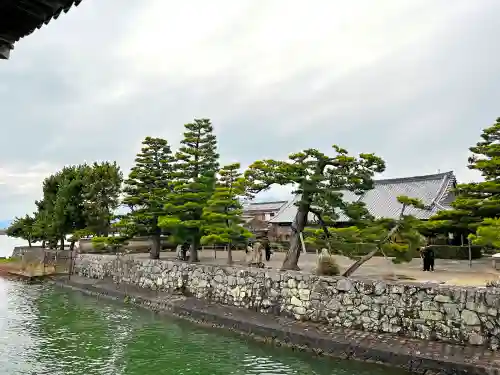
413	81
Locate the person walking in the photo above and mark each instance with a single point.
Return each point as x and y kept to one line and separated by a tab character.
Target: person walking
430	257
184	250
422	256
267	248
425	259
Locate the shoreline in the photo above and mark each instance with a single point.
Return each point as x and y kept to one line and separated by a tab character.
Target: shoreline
412	355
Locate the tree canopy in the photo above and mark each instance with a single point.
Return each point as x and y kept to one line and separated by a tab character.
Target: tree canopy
76	198
222	213
23	227
475	201
147	189
185	196
487	234
365	238
197	162
321	181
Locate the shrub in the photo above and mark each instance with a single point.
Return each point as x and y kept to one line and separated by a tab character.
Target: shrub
327	266
108	244
440	251
456	252
280	246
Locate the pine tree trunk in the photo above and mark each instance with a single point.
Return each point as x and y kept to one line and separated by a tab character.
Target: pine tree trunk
155	246
193	251
371	254
43	244
360	262
62	243
29	242
72	245
291	261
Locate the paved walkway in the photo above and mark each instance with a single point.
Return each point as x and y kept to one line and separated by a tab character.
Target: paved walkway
451	272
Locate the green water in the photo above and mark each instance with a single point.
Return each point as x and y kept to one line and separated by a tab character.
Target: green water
45	330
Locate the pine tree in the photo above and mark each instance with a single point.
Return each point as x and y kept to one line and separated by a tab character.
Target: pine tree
23	227
147	189
320	180
222	214
102	188
475	201
195	173
68	213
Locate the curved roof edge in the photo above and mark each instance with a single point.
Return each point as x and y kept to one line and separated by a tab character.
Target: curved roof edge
19	19
434	189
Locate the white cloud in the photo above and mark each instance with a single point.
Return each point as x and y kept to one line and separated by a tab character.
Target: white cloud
261	43
413	81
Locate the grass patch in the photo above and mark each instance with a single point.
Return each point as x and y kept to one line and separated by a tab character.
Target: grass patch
7	260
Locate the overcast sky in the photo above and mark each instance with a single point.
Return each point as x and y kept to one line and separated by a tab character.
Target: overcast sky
413	81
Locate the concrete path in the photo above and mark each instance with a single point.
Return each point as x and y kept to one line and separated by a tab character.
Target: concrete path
451	272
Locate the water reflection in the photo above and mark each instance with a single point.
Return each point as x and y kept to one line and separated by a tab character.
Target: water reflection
48	331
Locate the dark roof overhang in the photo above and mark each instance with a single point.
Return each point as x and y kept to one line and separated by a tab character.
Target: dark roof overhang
19	18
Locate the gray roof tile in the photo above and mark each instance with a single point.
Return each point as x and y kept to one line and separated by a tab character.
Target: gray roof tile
381	201
264	206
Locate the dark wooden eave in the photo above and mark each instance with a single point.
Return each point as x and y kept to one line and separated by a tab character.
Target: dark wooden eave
19	18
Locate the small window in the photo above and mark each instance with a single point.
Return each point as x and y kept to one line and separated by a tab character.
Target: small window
271	214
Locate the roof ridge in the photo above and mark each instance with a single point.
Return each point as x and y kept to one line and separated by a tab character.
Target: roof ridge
284	207
267	202
426	177
444	189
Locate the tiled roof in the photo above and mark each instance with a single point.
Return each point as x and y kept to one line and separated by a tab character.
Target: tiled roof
19	18
264	206
381	201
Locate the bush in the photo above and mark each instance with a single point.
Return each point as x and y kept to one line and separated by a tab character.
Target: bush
456	252
327	266
280	246
440	251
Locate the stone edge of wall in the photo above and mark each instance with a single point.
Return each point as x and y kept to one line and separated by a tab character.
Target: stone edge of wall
415	363
253	270
103	266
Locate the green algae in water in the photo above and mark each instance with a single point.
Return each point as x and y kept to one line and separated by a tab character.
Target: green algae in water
44	330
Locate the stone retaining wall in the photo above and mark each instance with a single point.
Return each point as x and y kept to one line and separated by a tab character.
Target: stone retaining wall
453	314
19	251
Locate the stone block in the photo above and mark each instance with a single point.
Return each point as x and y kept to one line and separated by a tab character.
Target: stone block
455	314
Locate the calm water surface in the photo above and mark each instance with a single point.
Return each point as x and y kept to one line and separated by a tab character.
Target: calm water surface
46	330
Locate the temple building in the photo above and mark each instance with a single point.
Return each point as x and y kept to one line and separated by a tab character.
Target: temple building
257	214
20	18
434	190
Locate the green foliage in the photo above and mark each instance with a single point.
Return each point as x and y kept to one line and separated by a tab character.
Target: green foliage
76	200
321	181
109	244
396	238
81	233
195	177
487	234
101	195
222	214
456	252
68	213
357	250
147	190
24	228
478	200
